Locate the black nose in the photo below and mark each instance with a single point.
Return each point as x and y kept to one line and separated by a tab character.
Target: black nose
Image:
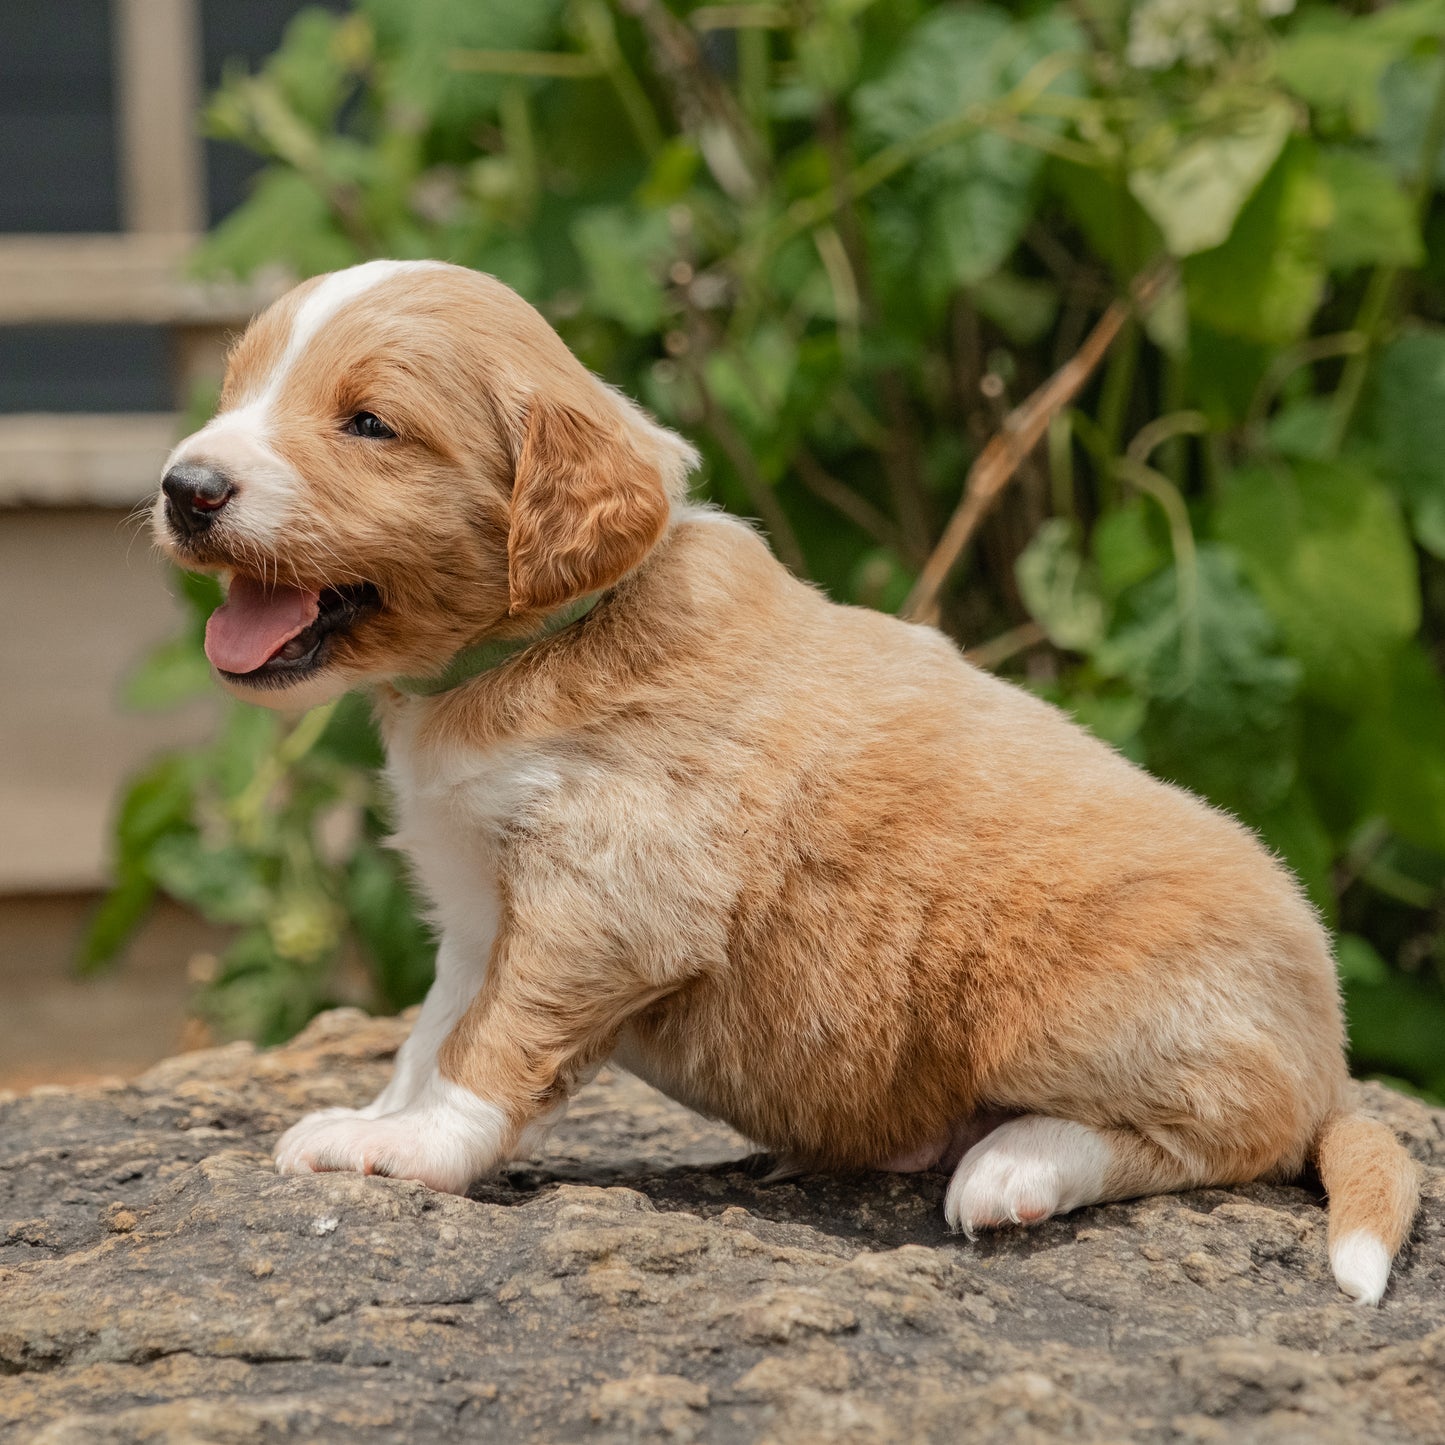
194	494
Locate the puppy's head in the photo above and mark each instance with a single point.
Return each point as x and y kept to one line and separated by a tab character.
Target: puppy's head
406	459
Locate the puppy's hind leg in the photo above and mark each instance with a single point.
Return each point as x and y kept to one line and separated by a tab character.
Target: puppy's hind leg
1036	1166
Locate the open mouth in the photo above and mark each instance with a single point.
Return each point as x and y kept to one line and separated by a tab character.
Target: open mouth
273	635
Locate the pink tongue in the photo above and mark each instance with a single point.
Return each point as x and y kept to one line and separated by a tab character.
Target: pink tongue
255	622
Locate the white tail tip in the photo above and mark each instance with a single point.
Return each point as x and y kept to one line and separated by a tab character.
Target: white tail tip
1362	1266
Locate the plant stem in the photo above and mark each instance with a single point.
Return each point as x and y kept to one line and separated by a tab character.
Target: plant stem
521	142
1061	464
843	281
996	465
704	106
246	806
754	44
552	64
901	456
1287	362
1165	494
1118	386
1164	429
596	21
998	650
1176	386
1368	324
858	509
760	493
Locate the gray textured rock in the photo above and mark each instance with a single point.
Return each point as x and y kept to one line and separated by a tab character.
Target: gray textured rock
643	1282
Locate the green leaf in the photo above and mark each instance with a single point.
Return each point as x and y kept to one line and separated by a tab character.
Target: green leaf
672	174
351	738
1265	282
1397	1023
418	38
1294	831
157	801
1325	547
174	673
1374	223
1337	62
248	736
625	253
1113	222
827	51
383	911
1220	689
312	68
879	580
285	221
1336	67
1022	308
115	920
1405	415
971	230
260	995
977	191
1224	374
224	884
1387	757
1358	961
202	592
1059	589
751	380
1126	548
1116	717
955	57
1407	94
1166	324
1302	428
1196	192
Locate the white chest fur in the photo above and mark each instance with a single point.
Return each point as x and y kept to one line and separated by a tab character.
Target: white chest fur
452	810
453	806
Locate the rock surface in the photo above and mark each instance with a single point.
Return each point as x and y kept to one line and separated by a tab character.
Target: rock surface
643	1281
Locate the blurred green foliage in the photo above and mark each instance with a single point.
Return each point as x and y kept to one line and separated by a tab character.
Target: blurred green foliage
834	241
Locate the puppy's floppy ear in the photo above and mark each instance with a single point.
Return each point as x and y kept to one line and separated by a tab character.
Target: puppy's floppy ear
587	506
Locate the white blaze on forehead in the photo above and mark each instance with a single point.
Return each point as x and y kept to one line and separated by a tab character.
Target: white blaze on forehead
238	440
324	302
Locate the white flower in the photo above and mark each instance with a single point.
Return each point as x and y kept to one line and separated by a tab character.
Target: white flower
1197	32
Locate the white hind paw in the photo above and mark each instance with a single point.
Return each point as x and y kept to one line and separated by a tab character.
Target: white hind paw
1361	1264
1025	1171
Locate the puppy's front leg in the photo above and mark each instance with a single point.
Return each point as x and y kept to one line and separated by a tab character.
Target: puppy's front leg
459	975
501	1078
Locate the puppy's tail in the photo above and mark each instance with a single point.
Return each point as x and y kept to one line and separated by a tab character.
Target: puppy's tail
1374	1189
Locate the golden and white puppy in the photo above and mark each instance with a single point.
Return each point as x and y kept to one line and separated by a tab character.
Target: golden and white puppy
797	864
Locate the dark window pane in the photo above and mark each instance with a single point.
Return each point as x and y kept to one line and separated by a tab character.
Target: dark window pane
57	122
84	368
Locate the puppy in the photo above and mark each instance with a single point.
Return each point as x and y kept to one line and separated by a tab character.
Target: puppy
798	865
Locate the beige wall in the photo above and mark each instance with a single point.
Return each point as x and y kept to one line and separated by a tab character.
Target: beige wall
56	1027
82	597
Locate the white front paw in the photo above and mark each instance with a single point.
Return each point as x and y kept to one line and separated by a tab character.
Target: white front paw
446	1139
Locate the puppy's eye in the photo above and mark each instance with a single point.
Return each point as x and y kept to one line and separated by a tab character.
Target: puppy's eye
368	424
